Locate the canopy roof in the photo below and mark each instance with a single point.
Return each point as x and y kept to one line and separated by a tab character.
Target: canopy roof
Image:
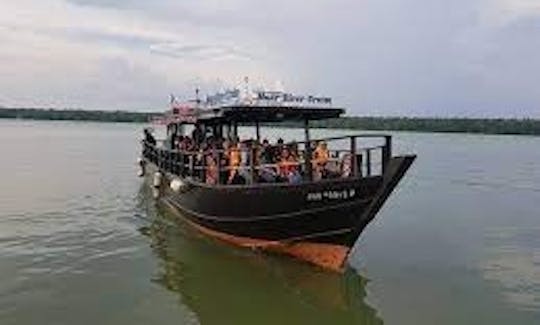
249	114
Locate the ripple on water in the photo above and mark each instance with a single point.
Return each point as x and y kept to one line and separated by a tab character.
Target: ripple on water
514	263
90	230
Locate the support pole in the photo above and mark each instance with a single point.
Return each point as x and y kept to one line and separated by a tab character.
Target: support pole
217	155
258	131
387	152
354	157
307	152
368	162
235	130
228	133
252	171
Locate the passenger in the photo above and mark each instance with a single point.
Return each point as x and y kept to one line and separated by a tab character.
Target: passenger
255	151
244	153
200	159
179	142
278	150
197	135
293	148
234	159
186	144
267	155
267	174
149	138
321	156
212	175
245	149
264	159
288	167
346	166
220	144
172	140
226	144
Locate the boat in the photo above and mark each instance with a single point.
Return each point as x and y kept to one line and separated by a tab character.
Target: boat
316	217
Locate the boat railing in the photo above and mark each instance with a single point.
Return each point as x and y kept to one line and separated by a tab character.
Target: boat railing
356	156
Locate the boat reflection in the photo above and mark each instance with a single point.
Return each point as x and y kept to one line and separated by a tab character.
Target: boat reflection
226	285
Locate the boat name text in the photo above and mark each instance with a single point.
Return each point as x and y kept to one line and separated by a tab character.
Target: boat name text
331	195
278	96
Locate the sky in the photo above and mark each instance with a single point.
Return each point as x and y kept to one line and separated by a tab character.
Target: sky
472	58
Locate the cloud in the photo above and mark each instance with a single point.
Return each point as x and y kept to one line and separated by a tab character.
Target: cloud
107	3
430	57
502	12
199	52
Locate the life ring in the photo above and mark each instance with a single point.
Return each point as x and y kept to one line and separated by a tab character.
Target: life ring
177	184
157	179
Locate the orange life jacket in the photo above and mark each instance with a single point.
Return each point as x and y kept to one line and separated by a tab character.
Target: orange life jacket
234	156
287	165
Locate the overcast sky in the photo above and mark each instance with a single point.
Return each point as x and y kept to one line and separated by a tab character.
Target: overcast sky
376	57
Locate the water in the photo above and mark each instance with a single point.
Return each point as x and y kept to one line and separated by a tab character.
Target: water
82	242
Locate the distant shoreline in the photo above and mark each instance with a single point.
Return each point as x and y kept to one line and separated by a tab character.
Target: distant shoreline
415	124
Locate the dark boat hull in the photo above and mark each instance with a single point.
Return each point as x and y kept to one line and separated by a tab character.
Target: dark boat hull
317	222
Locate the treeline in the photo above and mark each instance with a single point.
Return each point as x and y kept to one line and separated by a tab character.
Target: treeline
465	125
75	115
468	125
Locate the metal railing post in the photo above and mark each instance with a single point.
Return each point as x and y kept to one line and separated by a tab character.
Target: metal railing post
203	167
191	164
386	152
354	165
252	166
169	161
218	166
368	162
181	163
307	152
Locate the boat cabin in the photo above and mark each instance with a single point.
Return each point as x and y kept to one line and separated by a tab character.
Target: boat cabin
203	145
213	150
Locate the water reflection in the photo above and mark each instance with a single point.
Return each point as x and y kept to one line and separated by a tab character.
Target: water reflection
225	285
513	261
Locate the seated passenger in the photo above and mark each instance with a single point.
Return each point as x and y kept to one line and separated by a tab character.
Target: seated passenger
321	156
277	150
267	174
180	142
346	166
293	148
211	170
233	155
266	152
264	159
245	157
288	167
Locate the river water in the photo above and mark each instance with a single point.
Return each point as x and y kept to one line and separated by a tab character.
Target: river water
82	242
